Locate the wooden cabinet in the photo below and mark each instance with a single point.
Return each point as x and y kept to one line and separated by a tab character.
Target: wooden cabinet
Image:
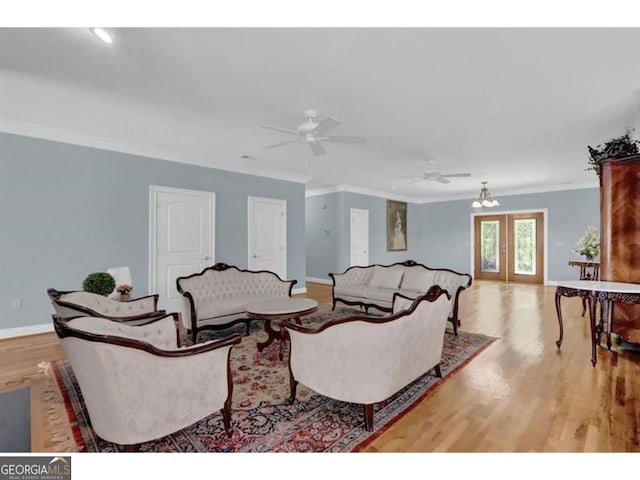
620	236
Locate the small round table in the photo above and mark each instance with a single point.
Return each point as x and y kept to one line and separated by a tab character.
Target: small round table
278	309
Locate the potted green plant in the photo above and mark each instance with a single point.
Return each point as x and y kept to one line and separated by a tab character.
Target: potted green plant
618	147
101	283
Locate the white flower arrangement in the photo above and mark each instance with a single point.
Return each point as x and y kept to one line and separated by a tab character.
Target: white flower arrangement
589	244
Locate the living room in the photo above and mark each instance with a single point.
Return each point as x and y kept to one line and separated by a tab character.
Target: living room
89	129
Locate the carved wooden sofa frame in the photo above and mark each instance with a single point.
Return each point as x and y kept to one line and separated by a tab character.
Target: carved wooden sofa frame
64	330
453	318
432	295
73	309
221	267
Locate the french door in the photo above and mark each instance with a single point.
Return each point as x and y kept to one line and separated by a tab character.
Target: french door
509	247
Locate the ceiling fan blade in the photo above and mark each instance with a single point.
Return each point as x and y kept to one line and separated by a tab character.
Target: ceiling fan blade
326	125
441	179
341	139
317	148
283	143
278	129
457	175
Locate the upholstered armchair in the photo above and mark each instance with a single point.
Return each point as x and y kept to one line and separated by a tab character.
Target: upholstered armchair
138	385
78	303
367	359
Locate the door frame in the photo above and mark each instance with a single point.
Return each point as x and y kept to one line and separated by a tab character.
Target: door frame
154	190
283	212
545	217
351	211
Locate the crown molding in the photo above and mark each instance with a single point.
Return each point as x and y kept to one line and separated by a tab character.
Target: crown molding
458	197
47	132
360	190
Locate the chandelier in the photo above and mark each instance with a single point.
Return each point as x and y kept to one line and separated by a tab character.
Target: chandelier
484	199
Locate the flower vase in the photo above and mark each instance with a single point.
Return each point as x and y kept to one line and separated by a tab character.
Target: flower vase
589	258
124	297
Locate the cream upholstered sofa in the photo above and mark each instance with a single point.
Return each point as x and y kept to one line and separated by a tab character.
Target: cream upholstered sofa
78	303
367	359
373	286
138	385
218	296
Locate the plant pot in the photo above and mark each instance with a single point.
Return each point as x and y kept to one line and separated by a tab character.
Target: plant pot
124	297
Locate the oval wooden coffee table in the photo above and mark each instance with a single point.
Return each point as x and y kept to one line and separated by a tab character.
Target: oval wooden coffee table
276	310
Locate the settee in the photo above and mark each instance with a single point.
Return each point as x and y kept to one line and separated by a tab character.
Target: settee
78	303
219	295
365	360
373	286
136	381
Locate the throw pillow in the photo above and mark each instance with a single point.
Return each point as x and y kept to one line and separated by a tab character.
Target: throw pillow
418	279
386	277
401	303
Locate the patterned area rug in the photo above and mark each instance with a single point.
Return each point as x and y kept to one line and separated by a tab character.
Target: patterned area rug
261	418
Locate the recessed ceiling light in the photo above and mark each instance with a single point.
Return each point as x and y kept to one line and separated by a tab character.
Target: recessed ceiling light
102	34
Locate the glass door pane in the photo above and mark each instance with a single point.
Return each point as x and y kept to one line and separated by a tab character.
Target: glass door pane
524	251
489	246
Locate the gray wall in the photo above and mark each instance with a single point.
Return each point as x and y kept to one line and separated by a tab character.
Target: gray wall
66	211
330	252
445	227
439	233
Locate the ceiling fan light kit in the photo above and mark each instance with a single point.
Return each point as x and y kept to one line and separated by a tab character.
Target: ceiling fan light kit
314	133
484	199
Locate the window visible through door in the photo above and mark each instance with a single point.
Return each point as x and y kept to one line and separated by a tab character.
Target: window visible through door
509	247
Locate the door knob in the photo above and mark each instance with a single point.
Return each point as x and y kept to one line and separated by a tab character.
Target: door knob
207	257
255	256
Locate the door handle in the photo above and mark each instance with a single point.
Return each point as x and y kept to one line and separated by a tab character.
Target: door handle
255	256
207	257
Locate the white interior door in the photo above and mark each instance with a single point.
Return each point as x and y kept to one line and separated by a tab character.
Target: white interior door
181	241
359	237
268	235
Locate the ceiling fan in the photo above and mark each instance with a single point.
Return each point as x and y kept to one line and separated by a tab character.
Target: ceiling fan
314	134
434	176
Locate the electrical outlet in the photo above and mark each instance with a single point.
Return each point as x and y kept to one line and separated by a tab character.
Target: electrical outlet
16	303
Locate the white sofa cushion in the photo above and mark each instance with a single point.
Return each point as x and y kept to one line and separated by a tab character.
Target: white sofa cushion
384	277
352	290
401	303
229	306
418	279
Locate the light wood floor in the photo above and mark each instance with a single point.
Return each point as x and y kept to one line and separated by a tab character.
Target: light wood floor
520	394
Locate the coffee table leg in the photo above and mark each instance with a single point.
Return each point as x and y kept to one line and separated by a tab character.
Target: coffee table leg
271	335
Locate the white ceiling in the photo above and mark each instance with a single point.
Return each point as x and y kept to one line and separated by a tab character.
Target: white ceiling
515	107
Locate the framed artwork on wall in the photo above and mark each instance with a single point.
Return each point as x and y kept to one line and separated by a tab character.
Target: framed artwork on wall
396	226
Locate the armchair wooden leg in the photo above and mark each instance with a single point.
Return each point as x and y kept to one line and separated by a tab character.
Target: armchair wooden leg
437	371
129	448
226	418
334	304
293	385
247	323
194	336
368	416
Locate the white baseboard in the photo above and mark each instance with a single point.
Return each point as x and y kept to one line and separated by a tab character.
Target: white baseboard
298	291
22	331
325	281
